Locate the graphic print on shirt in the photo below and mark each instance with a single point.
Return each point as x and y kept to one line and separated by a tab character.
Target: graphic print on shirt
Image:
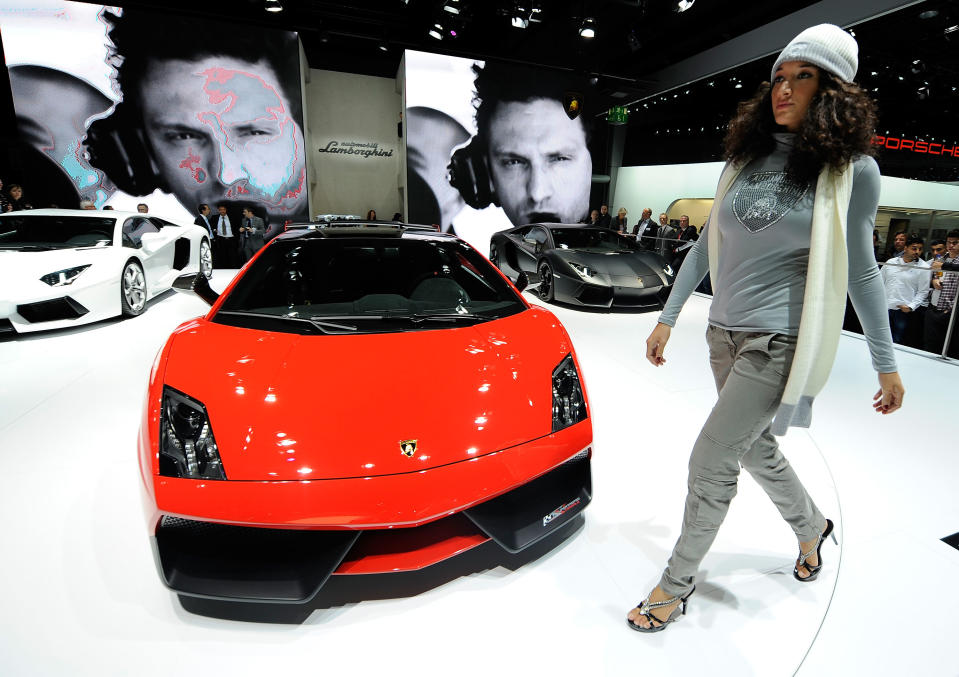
763	198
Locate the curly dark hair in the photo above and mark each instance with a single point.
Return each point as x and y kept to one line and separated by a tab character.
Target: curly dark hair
140	37
839	125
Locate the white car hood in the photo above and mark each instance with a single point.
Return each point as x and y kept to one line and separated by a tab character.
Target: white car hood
18	267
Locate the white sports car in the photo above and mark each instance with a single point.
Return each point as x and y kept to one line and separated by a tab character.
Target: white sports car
64	267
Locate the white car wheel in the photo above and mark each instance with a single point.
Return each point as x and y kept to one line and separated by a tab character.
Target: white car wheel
133	289
206	259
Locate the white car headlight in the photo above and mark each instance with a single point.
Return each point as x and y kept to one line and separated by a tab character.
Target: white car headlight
585	272
63	277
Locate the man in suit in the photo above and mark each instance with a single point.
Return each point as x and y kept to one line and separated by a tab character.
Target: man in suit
605	218
252	232
225	251
684	235
646	231
204	220
666	233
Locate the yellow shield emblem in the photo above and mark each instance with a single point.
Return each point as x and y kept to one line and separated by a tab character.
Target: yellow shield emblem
408	448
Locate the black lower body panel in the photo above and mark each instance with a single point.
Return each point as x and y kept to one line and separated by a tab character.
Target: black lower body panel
255	564
50	311
522	517
221	561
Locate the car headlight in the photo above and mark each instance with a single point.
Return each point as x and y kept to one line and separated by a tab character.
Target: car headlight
585	272
668	269
569	405
187	445
63	277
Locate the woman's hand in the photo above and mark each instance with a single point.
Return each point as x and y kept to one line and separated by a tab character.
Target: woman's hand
890	394
656	343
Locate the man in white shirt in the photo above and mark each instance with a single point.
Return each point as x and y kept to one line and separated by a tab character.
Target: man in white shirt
906	280
225	249
645	231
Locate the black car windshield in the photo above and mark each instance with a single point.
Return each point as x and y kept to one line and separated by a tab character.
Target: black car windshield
591	239
43	231
367	285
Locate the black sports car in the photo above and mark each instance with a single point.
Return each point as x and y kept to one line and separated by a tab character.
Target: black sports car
583	266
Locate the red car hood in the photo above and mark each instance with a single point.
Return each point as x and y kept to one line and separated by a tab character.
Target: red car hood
291	407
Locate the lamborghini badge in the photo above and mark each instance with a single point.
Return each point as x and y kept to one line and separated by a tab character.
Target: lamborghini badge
408	448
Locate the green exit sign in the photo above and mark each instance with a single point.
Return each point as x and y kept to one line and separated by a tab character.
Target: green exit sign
617	115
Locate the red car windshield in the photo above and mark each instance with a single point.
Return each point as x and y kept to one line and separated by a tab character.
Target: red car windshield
346	285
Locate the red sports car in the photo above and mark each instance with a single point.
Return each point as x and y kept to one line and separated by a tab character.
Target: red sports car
361	399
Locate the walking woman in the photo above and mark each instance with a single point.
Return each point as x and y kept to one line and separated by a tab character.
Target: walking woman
790	227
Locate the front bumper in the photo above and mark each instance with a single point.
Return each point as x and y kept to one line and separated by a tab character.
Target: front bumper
40	307
613	291
212	545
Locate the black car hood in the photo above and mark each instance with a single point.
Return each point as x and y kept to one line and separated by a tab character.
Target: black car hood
614	263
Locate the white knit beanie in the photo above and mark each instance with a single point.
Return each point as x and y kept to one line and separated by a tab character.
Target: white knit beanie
826	46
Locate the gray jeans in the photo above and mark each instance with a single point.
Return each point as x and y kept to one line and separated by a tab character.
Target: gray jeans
750	369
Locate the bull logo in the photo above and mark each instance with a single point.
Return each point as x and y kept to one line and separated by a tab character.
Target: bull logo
573	104
408	448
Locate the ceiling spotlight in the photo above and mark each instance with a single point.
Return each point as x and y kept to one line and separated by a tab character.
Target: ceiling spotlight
588	29
519	22
436	32
383	47
929	14
950	29
683	5
273	6
452	6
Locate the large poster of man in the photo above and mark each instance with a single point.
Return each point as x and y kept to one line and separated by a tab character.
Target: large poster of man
492	146
136	106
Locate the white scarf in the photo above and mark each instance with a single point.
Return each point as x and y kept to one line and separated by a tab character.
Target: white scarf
824	300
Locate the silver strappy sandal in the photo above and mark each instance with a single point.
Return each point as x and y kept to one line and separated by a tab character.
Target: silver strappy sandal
813	570
646	609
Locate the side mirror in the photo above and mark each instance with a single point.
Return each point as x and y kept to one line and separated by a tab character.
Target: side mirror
149	242
198	284
528	281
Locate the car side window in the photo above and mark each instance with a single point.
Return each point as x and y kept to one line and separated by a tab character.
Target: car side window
539	234
134	229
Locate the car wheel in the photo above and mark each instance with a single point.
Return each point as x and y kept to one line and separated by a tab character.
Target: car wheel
546	282
133	289
206	259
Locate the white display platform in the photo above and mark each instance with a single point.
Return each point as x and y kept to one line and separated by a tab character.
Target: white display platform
81	595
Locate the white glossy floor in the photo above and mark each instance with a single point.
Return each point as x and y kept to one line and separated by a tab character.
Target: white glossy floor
80	594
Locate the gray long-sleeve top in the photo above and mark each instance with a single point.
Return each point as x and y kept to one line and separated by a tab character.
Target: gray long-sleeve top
766	222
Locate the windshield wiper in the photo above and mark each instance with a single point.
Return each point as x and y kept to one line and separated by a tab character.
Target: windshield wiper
449	317
315	321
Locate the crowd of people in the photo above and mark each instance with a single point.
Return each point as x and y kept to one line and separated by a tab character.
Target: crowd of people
669	240
920	285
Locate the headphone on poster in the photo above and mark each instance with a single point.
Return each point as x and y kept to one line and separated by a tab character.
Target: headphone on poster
118	146
468	173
